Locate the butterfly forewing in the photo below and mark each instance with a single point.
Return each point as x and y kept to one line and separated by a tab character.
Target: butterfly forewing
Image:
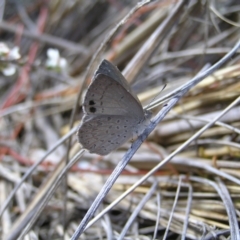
112	71
106	96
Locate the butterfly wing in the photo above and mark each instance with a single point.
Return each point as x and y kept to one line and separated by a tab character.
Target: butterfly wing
105	133
106	96
112	114
112	71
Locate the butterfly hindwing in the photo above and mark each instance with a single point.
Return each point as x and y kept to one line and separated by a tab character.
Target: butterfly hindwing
105	133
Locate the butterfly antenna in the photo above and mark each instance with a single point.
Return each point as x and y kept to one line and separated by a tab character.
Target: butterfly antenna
164	86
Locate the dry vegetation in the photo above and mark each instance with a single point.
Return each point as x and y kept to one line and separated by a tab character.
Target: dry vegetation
193	191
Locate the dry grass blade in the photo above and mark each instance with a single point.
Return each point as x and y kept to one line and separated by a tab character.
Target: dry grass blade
137	210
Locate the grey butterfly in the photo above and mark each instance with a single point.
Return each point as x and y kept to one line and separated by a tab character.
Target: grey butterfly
112	113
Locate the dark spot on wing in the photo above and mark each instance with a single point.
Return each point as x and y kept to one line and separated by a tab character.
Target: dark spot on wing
92	109
91	102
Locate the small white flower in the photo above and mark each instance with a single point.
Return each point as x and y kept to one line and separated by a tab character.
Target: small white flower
7	54
14	53
9	70
63	63
55	61
4	50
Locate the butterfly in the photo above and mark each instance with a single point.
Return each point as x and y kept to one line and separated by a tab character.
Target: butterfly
112	113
